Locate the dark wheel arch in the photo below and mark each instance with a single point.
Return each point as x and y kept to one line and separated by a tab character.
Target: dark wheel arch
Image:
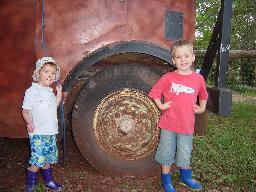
112	49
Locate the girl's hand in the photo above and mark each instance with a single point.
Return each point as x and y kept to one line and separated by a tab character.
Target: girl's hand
59	94
59	90
30	128
166	105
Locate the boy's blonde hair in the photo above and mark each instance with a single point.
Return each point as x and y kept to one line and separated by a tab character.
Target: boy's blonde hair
181	43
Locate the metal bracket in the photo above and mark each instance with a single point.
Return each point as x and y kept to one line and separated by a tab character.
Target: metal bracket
173	25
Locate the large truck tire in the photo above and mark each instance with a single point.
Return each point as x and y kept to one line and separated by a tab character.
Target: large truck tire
114	123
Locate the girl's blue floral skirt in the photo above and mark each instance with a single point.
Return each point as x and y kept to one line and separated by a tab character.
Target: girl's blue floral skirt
43	150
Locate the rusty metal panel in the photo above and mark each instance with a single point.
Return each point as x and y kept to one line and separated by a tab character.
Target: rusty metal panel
73	31
150	15
17	58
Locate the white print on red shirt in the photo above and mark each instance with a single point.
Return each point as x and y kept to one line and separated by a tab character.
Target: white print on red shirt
178	88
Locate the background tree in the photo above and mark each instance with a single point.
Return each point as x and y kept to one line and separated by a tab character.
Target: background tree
242	71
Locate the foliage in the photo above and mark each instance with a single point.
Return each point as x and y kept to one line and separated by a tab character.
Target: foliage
205	19
226	155
241	71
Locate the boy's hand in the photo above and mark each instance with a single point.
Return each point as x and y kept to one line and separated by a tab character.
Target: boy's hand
166	105
198	109
162	106
30	128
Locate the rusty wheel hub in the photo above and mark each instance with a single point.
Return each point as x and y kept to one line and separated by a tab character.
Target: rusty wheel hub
125	124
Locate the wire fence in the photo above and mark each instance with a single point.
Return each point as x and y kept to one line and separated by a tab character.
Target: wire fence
241	73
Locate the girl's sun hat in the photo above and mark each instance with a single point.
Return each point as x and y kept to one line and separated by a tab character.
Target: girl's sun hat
40	63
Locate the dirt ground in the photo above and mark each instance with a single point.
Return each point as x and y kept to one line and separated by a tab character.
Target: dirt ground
76	175
242	98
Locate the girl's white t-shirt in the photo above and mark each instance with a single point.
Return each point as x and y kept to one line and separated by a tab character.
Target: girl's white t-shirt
42	106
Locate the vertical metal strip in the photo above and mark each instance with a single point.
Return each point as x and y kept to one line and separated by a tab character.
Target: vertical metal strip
63	126
42	27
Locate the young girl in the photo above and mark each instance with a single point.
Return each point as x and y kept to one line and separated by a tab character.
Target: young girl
39	111
180	89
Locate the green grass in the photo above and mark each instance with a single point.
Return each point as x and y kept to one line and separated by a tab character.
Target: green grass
39	188
226	155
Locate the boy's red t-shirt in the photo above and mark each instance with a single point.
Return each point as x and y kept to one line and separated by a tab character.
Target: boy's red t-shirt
182	90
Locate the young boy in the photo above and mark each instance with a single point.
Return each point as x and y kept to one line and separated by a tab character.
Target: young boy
180	89
39	111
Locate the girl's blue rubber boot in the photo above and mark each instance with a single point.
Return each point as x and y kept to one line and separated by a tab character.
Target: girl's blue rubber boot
167	183
48	180
186	178
30	180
